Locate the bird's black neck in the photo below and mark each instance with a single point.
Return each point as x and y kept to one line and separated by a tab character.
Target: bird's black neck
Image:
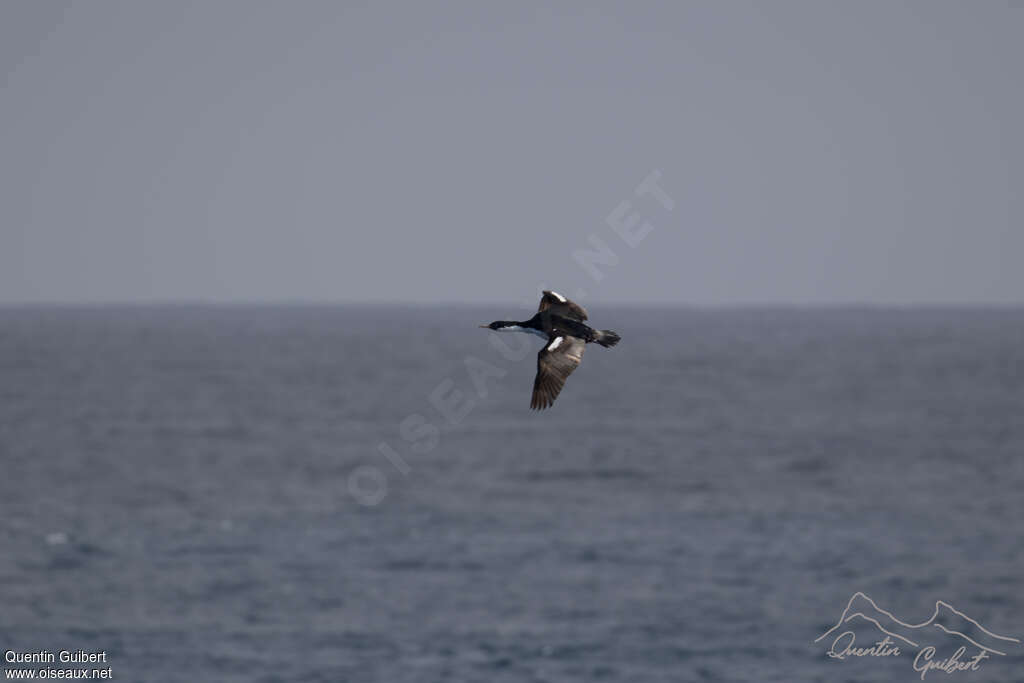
528	324
531	324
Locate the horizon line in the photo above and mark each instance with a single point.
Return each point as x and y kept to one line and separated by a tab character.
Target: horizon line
643	303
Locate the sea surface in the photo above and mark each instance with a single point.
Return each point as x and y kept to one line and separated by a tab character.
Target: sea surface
357	493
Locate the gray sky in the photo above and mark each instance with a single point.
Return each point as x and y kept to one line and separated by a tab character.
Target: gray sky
815	152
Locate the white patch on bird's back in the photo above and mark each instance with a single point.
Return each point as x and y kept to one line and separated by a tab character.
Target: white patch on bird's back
558	296
554	344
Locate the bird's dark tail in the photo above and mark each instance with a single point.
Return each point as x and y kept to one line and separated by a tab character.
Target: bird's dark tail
606	338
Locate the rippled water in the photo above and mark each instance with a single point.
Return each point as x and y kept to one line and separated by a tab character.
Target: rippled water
700	504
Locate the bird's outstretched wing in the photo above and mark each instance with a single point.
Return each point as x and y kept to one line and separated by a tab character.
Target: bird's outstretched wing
555	362
559	305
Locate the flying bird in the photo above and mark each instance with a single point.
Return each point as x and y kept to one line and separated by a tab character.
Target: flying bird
560	322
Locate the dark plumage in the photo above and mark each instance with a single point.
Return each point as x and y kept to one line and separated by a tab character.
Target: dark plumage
562	322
